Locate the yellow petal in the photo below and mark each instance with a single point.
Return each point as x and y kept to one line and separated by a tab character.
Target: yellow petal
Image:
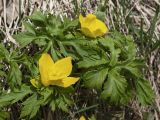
68	81
99	29
34	83
45	62
90	17
82	118
87	32
56	82
87	21
61	69
81	18
92	27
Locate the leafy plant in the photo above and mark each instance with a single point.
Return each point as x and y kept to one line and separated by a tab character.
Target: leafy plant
107	64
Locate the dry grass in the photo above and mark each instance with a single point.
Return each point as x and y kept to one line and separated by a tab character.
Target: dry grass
120	15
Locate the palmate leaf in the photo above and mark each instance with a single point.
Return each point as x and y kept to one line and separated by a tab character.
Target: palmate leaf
115	88
62	49
3	52
15	75
126	44
54	26
144	92
14	96
54	54
46	93
95	78
38	18
114	53
25	38
91	62
68	24
88	52
134	67
31	107
130	48
63	102
94	57
52	105
29	27
60	98
55	97
4	115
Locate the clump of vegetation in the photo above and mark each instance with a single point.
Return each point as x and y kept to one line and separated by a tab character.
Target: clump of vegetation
58	61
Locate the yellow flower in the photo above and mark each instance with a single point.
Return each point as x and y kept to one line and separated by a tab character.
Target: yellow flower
82	118
56	73
91	26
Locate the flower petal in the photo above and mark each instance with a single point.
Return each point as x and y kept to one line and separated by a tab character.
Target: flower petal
90	17
45	62
56	82
92	27
87	21
99	28
68	81
81	18
34	83
87	32
82	118
65	82
61	69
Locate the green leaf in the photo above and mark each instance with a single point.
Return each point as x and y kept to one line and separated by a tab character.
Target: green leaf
62	49
61	100
92	56
115	87
3	74
14	96
24	38
67	100
88	52
92	117
90	62
61	104
52	105
38	16
40	42
29	27
114	56
4	115
126	44
31	107
65	91
95	78
54	54
114	53
135	67
101	15
3	52
15	75
144	92
68	24
54	26
46	93
77	47
130	48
